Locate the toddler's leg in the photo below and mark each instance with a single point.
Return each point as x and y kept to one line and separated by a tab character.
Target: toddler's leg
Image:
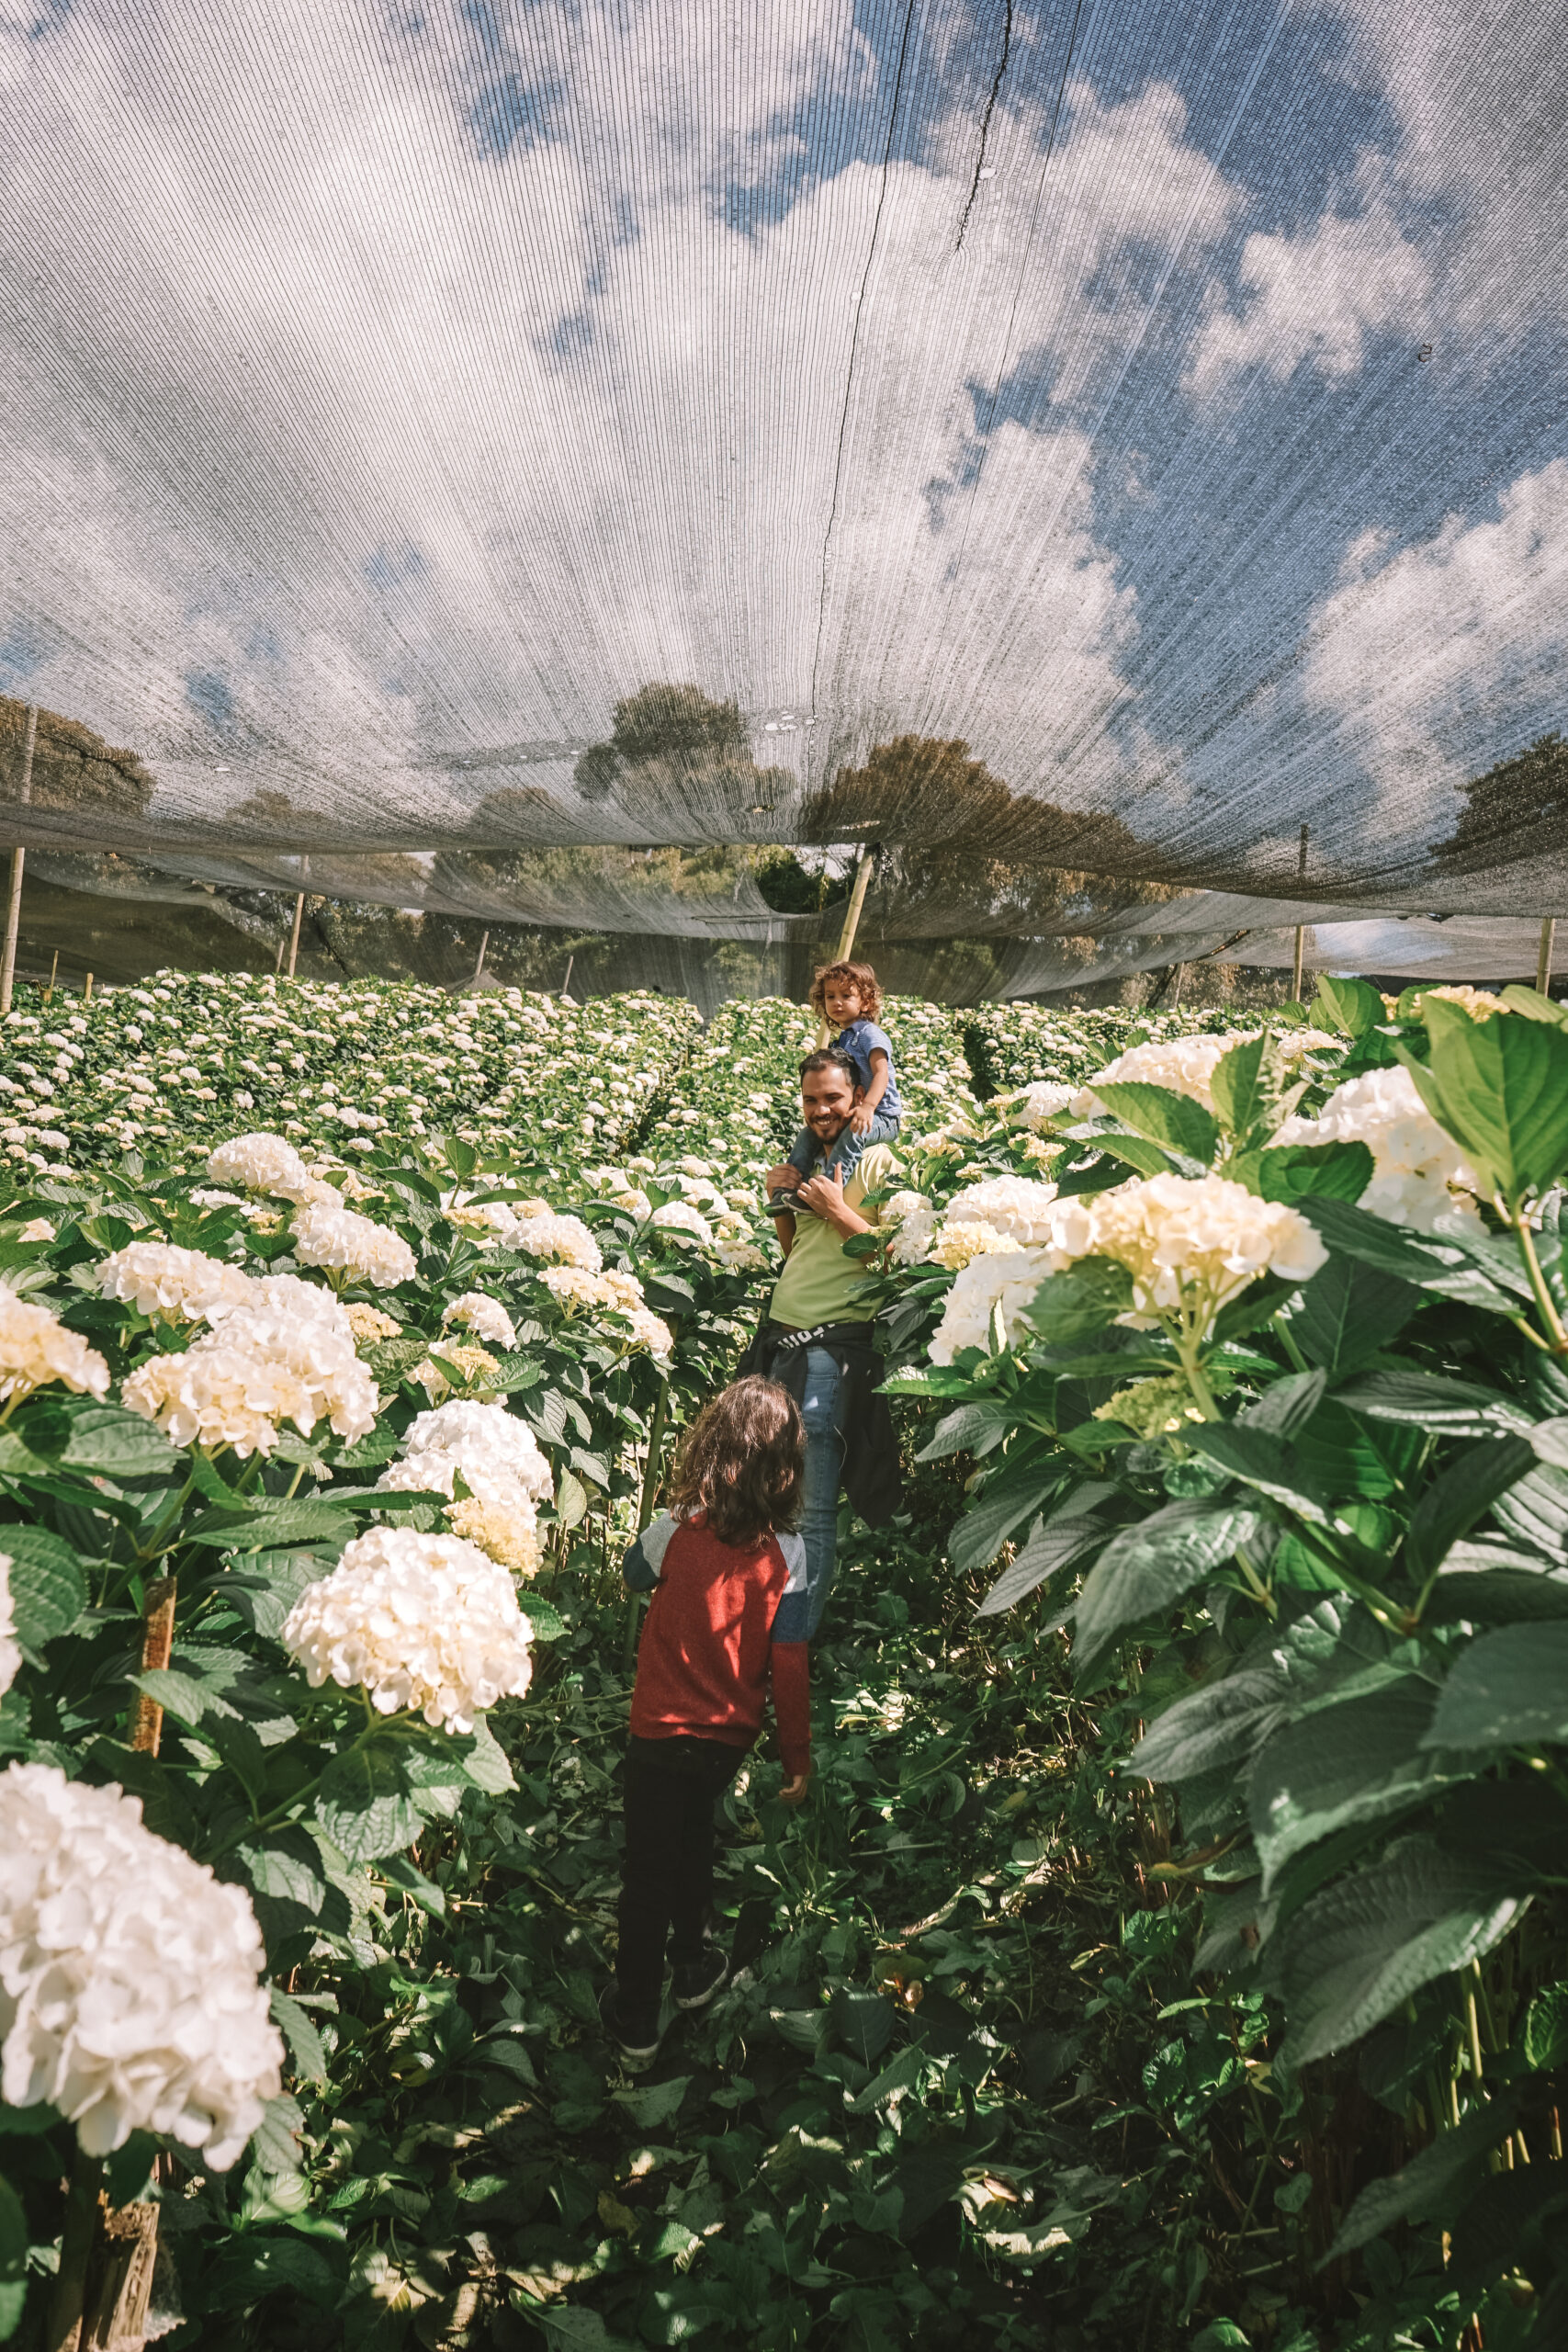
653	1846
800	1157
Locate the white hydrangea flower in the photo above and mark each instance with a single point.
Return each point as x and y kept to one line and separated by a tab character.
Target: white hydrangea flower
326	1234
956	1244
914	1220
1185	1065
36	1348
261	1163
37	1228
1420	1177
487	1316
651	1331
1036	1106
424	1622
10	1655
266	1362
485	1442
1018	1206
540	1233
1007	1280
679	1216
368	1324
1189	1243
159	1279
133	1993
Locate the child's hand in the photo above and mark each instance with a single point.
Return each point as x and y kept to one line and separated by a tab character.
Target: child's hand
860	1118
794	1792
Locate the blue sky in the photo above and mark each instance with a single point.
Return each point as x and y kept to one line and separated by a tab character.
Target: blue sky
391	383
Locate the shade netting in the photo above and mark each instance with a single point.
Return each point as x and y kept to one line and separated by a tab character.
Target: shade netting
503	464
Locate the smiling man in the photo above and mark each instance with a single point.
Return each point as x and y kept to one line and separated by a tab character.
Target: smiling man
817	1338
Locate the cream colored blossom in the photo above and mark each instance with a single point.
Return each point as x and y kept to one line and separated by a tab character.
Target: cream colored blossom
1480	1003
325	1234
485	1317
650	1330
1039	1106
10	1655
265	1363
913	1220
956	1244
1003	1284
159	1279
539	1232
1420	1177
37	1349
1189	1243
680	1216
454	1363
1184	1065
420	1622
261	1163
493	1449
508	1535
37	1228
736	1250
1020	1207
132	1992
368	1324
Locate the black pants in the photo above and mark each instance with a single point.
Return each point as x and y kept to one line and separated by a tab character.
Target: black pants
667	1877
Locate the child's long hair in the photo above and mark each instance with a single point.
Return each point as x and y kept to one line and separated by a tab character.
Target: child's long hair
743	1462
864	978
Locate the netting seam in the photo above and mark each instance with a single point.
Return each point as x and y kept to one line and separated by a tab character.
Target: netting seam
985	121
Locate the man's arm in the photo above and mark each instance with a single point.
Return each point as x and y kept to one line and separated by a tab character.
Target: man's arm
783	1219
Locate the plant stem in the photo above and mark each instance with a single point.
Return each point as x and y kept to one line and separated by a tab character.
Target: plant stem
645	1512
1543	1299
69	2299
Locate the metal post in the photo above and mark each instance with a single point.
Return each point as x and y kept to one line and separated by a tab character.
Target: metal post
1301	928
18	858
1543	961
479	968
294	936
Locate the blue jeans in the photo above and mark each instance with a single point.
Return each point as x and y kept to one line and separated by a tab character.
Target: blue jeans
824	1468
844	1153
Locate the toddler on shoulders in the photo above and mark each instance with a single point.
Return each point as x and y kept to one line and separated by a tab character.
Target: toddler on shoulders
849	999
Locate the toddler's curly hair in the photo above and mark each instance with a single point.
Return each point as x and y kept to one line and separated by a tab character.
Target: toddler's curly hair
864	978
743	1462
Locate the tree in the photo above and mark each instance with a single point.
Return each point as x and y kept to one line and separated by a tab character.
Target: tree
1517	809
72	768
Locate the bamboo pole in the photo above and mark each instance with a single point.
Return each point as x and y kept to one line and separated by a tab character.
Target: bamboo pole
53	975
1543	961
852	921
294	935
1301	928
87	992
18	859
479	968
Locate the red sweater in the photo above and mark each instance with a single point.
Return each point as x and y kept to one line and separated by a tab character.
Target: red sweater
722	1624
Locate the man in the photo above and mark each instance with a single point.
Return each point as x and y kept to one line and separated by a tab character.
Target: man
818	1338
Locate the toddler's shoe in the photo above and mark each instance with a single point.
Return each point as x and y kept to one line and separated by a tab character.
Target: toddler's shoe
637	2039
696	1980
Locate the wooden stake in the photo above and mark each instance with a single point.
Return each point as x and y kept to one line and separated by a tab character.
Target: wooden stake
53	969
18	859
1543	961
479	968
1174	998
294	936
569	962
1301	928
87	992
852	921
157	1641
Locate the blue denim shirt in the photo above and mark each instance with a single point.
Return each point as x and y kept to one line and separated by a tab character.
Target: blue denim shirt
858	1039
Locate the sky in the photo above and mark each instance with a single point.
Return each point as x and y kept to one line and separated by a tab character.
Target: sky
1166	402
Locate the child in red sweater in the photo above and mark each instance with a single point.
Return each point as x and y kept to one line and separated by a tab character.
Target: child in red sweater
728	1617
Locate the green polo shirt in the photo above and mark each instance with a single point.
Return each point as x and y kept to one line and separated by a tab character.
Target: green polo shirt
818	1283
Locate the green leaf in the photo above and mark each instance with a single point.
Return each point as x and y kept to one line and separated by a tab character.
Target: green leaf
1509	1689
181	1695
484	1762
1284	1410
398	1871
1534	1006
1358	1950
972	1428
1348	1313
1543	2034
548	1624
1438	1266
1362	1760
1168	1118
571	1499
1147	1569
1427	1400
14	2236
49	1590
1139	1154
305	2044
115	1443
1300	1172
1534	1512
1253	1455
1460	1496
1349	1006
659	2103
258	1528
1245	1085
1048	1552
1085	1298
1221	1723
1007	1503
365	1806
275	2147
1500	1088
1434	2181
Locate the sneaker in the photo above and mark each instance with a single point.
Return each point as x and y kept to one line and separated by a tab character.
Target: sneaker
696	1980
782	1199
635	2039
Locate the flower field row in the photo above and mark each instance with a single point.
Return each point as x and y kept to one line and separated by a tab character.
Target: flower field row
1015	1045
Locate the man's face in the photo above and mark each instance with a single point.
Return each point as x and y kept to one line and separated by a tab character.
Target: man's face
827	1097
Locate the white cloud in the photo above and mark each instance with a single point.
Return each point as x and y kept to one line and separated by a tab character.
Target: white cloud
1317	296
1424	656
